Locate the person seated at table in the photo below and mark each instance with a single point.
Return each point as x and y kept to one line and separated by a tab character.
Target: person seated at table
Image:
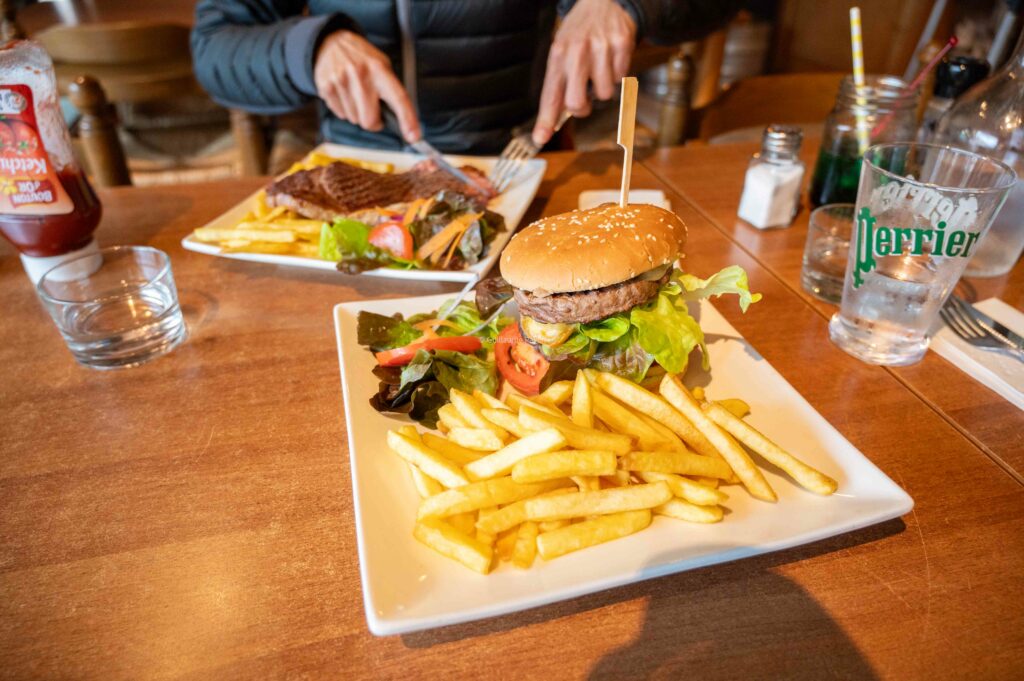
470	71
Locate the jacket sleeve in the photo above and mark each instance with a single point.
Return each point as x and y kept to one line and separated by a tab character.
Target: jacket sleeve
258	55
673	21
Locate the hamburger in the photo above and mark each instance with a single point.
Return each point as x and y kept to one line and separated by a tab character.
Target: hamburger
600	288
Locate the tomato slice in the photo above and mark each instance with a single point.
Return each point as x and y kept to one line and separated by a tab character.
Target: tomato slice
519	363
403	355
393	238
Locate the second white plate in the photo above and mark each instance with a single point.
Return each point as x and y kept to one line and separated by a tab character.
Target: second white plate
511	204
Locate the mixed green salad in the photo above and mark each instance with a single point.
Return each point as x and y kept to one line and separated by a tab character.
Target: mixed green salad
448	231
474	345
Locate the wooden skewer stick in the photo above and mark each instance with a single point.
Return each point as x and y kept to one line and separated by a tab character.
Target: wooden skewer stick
627	130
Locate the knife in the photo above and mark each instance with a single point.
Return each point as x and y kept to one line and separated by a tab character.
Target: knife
425	148
1014	338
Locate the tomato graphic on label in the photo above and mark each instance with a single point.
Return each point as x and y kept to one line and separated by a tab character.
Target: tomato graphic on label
7	138
26	141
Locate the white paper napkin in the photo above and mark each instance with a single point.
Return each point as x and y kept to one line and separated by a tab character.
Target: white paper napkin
996	370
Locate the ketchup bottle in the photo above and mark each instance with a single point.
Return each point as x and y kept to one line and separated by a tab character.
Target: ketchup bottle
48	210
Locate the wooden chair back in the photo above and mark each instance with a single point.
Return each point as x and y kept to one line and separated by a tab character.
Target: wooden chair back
116	43
97	130
759	101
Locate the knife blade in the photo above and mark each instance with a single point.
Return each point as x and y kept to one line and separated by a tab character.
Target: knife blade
425	148
1014	338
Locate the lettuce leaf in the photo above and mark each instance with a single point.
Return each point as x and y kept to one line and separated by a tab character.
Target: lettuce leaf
606	330
624	356
378	332
732	279
465	372
665	329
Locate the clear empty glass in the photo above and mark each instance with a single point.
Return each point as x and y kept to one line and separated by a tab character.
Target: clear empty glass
826	251
116	308
921	210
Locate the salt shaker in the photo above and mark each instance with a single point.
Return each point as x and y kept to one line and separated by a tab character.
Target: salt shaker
771	190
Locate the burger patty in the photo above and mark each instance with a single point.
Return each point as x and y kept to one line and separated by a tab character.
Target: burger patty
580	307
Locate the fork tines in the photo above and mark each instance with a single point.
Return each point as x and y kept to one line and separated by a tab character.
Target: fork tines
956	313
518	151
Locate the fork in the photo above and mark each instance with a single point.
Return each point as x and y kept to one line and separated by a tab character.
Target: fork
515	154
975	332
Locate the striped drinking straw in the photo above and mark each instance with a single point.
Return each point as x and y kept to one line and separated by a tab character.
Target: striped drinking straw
858	77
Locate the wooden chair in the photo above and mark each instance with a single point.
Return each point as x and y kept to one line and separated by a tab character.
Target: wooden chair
140	61
759	101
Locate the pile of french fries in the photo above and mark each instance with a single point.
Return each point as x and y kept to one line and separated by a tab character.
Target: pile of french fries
277	230
584	462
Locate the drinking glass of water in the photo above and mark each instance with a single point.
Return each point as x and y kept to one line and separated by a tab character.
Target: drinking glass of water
827	250
115	308
921	210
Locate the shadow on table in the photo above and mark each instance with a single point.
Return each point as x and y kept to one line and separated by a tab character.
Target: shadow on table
723	621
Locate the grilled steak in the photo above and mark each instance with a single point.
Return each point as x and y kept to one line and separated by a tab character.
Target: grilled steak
581	307
339	189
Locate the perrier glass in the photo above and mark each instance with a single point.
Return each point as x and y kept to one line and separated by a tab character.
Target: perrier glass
887	112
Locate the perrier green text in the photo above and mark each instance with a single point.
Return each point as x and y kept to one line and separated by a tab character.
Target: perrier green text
879	241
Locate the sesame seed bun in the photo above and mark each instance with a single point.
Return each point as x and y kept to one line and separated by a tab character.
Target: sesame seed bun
590	249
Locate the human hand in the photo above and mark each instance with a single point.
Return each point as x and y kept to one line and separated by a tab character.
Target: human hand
352	77
594	44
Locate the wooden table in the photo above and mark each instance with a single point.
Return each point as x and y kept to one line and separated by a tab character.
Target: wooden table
992	423
191	518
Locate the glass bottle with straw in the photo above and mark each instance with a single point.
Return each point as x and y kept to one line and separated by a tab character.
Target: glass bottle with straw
868	110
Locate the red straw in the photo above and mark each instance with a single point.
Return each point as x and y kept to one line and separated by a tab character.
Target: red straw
916	83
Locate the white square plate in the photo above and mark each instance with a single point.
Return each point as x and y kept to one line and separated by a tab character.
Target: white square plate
408	587
511	204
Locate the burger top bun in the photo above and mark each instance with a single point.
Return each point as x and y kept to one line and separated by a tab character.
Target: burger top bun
590	249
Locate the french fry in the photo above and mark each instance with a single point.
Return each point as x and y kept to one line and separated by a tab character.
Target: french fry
505	544
582	504
739	460
426	459
301	228
808	477
620	478
426	486
449	542
684	510
502	461
441	426
476	438
450	416
680	463
735	406
687	489
564	464
299	248
697	392
622	420
506	419
557	392
489	401
657	408
410	432
469	410
259	204
587	483
525	549
482	536
582	402
671	439
477	495
551	525
449	450
577	436
517	402
591	532
463	522
511	515
214	234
